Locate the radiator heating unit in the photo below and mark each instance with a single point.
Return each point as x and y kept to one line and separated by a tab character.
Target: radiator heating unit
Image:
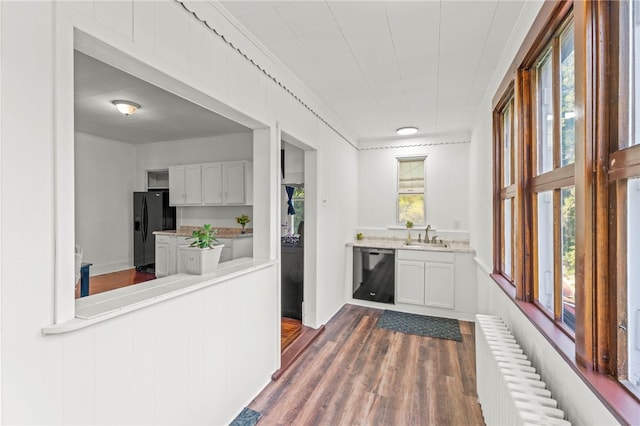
510	391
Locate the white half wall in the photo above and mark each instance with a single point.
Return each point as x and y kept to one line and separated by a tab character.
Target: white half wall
447	185
171	363
104	177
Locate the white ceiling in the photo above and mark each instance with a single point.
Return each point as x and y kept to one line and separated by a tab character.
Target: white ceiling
163	117
380	65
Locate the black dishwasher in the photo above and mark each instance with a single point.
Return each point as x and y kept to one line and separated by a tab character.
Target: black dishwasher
374	274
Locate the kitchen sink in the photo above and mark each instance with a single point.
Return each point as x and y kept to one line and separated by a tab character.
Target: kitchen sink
421	244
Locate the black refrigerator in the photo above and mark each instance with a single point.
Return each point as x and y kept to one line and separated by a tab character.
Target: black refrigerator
151	212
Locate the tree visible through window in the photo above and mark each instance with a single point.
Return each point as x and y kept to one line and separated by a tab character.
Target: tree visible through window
553	186
576	187
411	191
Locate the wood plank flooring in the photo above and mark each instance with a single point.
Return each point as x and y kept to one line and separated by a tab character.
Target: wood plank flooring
290	329
111	281
355	373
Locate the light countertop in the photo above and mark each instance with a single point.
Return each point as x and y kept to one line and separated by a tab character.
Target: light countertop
396	244
186	231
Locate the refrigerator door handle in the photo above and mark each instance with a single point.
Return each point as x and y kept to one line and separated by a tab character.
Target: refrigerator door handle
145	219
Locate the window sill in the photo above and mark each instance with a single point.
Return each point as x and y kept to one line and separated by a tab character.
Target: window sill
615	396
101	307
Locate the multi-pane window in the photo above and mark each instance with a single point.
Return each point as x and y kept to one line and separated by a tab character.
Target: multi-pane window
298	206
624	174
505	150
577	186
411	190
553	191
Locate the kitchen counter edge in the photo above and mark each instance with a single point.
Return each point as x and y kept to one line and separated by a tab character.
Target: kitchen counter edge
400	245
184	234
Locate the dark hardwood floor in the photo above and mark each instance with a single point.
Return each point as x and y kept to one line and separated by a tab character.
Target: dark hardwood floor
106	282
290	329
355	373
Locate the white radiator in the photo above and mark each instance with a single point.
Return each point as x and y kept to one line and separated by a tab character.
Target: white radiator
509	390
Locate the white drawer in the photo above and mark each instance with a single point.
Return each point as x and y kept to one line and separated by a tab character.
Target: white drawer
426	256
163	238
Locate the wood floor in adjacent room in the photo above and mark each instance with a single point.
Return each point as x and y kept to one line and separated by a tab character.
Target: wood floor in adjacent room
355	373
113	280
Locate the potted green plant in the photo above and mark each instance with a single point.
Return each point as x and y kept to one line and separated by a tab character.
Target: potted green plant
203	254
409	225
243	220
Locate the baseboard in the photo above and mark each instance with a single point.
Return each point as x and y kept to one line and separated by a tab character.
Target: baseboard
293	352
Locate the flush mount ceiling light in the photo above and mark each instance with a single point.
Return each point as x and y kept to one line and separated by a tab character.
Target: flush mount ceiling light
404	131
126	107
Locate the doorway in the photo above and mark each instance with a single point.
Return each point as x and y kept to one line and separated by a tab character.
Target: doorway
292	241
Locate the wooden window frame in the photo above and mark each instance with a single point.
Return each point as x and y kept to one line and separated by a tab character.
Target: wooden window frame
599	175
503	191
623	164
554	180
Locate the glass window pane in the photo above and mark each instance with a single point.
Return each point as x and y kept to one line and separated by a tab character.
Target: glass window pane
634	74
545	115
506	152
567	98
507	236
411	175
568	235
411	207
545	249
633	281
298	206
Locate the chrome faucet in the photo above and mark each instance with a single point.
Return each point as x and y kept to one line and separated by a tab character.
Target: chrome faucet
426	235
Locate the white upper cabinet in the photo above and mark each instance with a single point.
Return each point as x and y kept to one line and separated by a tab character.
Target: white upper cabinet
193	185
212	184
234	183
177	194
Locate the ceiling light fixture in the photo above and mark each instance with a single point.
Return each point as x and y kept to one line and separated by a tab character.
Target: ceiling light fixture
126	107
405	131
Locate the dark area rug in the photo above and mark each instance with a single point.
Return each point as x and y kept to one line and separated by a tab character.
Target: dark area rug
247	417
422	325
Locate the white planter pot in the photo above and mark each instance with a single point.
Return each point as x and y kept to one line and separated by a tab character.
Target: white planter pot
199	261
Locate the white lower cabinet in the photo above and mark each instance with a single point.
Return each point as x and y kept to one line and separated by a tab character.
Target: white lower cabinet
235	248
163	256
426	278
410	282
178	263
439	284
168	261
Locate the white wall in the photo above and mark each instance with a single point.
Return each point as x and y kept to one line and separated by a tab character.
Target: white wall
104	183
149	366
447	185
336	201
161	155
573	396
